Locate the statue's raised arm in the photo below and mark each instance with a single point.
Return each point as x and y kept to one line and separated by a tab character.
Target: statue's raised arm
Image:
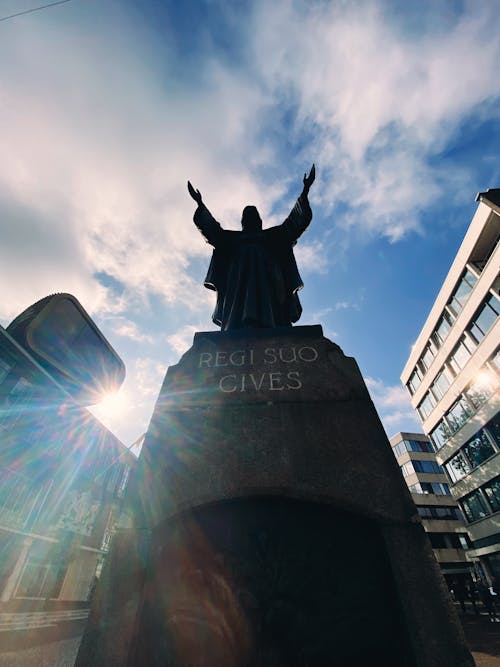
308	180
254	271
196	194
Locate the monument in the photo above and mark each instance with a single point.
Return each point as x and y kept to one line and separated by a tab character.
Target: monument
268	522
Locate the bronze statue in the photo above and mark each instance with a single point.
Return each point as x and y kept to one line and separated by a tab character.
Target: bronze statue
254	271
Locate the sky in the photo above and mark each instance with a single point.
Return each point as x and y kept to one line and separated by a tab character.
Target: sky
108	107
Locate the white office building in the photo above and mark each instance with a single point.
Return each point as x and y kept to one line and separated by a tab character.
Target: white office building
453	376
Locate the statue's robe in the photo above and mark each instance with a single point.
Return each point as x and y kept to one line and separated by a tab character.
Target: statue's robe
254	272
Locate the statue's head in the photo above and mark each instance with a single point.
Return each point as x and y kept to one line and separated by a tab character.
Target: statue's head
250	219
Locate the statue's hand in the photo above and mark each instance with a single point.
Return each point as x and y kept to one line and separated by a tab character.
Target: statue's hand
309	180
195	194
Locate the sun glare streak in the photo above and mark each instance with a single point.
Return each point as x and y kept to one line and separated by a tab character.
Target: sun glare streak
112	405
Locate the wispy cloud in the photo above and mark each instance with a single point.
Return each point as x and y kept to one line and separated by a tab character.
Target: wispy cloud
394	407
181	340
129	329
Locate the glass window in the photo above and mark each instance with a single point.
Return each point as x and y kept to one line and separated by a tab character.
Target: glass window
407	469
460	355
428	467
484	318
442	330
492	491
424	512
440	489
478	449
474	506
493	427
427	356
481	388
457	467
440	434
495	360
415	380
418	446
425	408
441	383
416	488
399	449
462	292
458	414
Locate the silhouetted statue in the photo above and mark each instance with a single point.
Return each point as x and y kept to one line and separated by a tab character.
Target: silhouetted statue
254	271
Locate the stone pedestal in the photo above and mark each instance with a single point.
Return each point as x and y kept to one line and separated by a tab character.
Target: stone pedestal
269	523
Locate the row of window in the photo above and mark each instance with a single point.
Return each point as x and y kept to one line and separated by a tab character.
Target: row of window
477	393
449	540
430	467
481	322
451	368
484	444
440	333
412	446
439	512
436	488
483	501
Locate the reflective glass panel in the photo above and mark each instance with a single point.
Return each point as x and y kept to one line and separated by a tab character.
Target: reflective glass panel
474	506
440	434
484	319
457	467
482	388
492	491
478	449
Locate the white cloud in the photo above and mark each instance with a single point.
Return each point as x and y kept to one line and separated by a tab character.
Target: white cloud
377	102
393	406
311	256
128	329
182	340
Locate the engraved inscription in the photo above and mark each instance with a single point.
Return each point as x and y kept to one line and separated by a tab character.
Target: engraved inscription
251	380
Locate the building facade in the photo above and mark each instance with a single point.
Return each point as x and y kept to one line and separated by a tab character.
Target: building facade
441	517
62	479
453	376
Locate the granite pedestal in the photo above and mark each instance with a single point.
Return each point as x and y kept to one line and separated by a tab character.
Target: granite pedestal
269	524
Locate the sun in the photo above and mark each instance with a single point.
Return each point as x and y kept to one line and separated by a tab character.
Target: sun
113	405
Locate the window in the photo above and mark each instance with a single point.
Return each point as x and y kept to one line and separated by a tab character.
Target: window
399	449
458	414
474	506
481	389
440	434
441	383
457	467
414	381
407	469
462	292
427	356
493	427
442	330
484	319
425	408
460	355
416	488
430	467
438	512
478	449
418	446
492	491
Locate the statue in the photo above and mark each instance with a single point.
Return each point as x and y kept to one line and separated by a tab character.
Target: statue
254	271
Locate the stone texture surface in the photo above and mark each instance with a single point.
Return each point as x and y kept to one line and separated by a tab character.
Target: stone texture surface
280	418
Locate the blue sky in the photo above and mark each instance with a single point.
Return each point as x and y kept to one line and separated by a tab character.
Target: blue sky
107	107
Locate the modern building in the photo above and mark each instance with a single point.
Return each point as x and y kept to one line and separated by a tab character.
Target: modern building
62	476
453	376
441	518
